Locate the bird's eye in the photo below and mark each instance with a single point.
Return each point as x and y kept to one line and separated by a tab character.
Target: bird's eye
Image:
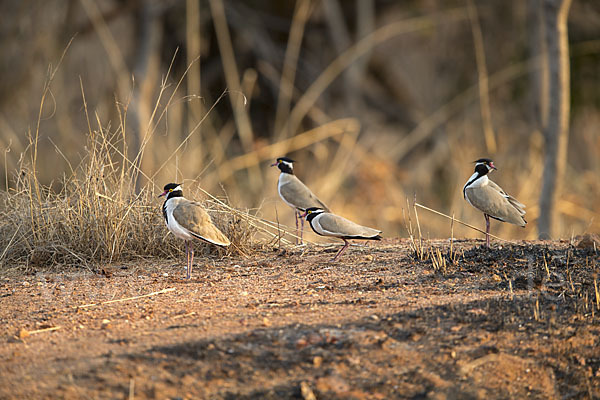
170	190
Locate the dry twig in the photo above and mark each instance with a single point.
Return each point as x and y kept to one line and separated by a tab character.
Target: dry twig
125	299
459	221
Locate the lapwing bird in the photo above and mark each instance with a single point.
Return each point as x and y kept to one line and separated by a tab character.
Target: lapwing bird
489	198
295	193
327	224
188	220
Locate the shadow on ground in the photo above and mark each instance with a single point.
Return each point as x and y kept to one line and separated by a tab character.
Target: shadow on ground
505	347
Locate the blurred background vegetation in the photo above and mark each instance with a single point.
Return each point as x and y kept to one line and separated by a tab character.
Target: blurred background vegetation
378	101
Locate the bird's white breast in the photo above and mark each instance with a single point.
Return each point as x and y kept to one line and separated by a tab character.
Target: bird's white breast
472	184
177	230
482	181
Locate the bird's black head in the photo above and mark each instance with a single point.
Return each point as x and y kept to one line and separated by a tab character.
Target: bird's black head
172	190
484	166
285	164
312	212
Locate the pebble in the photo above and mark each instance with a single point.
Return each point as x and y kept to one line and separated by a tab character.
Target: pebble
317	361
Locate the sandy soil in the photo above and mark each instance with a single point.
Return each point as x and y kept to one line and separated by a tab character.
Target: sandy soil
520	320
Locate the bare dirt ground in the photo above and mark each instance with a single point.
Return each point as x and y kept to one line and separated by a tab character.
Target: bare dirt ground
520	320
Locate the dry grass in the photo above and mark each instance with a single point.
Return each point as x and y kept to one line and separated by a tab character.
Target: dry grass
97	216
78	198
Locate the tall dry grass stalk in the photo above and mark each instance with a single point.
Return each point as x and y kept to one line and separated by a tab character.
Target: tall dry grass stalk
95	214
97	217
362	164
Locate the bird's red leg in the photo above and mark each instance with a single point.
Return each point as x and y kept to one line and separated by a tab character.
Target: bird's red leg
296	214
487	230
346	244
187	253
301	229
191	261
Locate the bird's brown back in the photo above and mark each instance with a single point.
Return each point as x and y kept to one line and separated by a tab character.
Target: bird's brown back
295	192
192	216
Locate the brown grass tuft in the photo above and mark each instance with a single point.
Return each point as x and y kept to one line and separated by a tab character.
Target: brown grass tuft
97	216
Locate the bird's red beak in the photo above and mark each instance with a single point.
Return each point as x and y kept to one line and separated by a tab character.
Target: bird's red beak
493	166
304	215
277	163
162	194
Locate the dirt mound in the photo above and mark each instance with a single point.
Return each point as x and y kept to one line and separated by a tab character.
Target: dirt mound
517	321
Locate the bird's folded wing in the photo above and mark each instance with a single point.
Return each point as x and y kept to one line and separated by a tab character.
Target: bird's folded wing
514	202
495	204
340	226
297	193
192	216
497	188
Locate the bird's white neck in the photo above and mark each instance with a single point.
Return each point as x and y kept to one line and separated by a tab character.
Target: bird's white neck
476	180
